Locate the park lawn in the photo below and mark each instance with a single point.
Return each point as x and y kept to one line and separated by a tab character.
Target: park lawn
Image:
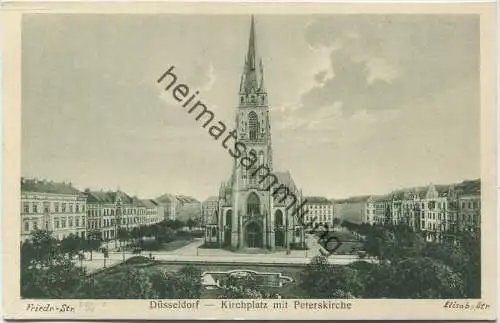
350	243
174	245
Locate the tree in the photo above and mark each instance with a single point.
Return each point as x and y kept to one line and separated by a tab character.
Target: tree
190	223
71	245
166	235
186	283
378	281
45	271
320	279
127	283
430	278
123	235
174	224
94	241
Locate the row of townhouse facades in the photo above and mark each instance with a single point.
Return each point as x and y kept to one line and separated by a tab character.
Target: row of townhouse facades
435	210
64	210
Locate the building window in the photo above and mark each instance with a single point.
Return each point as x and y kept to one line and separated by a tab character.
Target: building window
253	204
56	223
70	222
77	208
26	207
56	207
77	222
63	223
26	226
35	208
278	218
63	207
253	125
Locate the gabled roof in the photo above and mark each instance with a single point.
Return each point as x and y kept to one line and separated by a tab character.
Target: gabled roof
107	197
149	203
471	187
44	186
165	199
186	199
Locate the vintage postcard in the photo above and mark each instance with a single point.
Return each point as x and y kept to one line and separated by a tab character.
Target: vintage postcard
272	161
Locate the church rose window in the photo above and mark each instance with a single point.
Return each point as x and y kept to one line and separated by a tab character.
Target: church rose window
253	125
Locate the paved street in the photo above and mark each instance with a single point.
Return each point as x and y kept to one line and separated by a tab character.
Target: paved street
192	253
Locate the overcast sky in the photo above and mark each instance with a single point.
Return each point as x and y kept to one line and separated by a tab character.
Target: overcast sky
360	104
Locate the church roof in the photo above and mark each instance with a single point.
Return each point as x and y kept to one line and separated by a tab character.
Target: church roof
285	178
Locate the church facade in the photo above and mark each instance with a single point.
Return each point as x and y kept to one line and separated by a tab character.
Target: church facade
250	212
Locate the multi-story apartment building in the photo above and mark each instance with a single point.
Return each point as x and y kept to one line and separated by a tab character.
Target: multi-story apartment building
436	211
433	222
153	212
377	210
319	211
189	208
109	211
57	207
209	209
353	209
469	212
170	206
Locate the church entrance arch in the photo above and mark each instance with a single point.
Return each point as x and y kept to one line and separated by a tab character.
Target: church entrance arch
253	235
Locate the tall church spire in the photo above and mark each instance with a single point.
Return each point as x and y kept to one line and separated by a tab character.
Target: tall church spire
251	47
251	73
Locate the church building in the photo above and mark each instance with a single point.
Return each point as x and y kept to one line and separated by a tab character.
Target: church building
250	212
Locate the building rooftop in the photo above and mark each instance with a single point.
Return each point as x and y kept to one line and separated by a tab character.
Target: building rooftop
149	203
107	197
166	198
44	186
317	200
186	199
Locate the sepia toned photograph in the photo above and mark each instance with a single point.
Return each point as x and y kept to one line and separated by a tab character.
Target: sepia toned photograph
252	161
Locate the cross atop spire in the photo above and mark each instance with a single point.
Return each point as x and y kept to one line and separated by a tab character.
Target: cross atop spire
252	74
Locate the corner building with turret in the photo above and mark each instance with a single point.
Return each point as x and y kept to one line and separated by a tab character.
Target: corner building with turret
251	213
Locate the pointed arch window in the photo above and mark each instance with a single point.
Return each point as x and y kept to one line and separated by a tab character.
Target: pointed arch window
253	124
278	218
253	204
